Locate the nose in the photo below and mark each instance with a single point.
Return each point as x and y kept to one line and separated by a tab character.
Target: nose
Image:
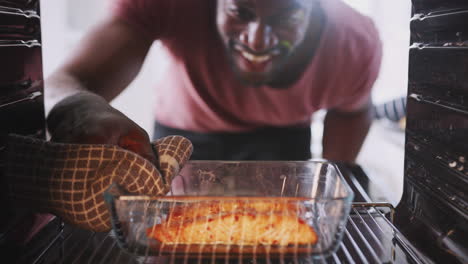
259	37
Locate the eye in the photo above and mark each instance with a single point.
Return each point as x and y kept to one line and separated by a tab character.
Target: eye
242	13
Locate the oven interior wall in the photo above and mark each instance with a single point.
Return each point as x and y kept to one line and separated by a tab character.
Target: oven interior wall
434	210
21	99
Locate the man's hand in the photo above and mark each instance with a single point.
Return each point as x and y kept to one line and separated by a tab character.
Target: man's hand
69	180
85	118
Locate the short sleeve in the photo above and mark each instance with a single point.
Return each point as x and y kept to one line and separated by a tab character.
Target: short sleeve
362	75
148	16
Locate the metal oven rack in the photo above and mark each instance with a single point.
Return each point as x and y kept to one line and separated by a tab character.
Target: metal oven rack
370	237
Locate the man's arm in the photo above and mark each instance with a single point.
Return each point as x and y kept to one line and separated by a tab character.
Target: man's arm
77	95
344	133
106	61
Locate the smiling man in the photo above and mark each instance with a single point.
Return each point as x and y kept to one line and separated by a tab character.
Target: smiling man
243	80
267	41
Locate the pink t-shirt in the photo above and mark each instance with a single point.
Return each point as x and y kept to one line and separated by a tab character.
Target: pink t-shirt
200	92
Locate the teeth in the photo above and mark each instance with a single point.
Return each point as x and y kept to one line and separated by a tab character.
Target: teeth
255	58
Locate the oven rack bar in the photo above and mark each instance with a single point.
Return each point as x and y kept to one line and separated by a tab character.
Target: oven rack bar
370	237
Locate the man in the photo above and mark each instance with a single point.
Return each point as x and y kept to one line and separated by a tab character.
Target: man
243	80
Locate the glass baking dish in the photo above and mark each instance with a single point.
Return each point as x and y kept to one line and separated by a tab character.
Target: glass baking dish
312	192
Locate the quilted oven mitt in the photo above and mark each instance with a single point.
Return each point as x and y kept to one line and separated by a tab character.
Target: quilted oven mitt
69	180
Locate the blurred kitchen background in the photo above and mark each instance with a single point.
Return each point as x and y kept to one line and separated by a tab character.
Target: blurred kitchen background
65	21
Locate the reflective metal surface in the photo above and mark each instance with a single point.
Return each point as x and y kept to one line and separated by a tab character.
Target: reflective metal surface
433	212
21	105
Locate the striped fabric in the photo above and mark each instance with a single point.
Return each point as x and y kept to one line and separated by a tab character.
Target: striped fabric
393	110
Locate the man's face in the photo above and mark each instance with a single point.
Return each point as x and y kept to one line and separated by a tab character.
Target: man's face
261	35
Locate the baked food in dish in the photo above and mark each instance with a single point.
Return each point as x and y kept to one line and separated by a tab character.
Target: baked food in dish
235	222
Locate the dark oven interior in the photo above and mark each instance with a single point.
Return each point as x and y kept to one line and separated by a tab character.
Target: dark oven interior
428	226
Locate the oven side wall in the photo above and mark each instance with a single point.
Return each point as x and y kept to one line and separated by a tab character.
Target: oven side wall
433	213
21	101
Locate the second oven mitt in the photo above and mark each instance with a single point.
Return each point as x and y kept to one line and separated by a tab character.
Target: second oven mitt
69	180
